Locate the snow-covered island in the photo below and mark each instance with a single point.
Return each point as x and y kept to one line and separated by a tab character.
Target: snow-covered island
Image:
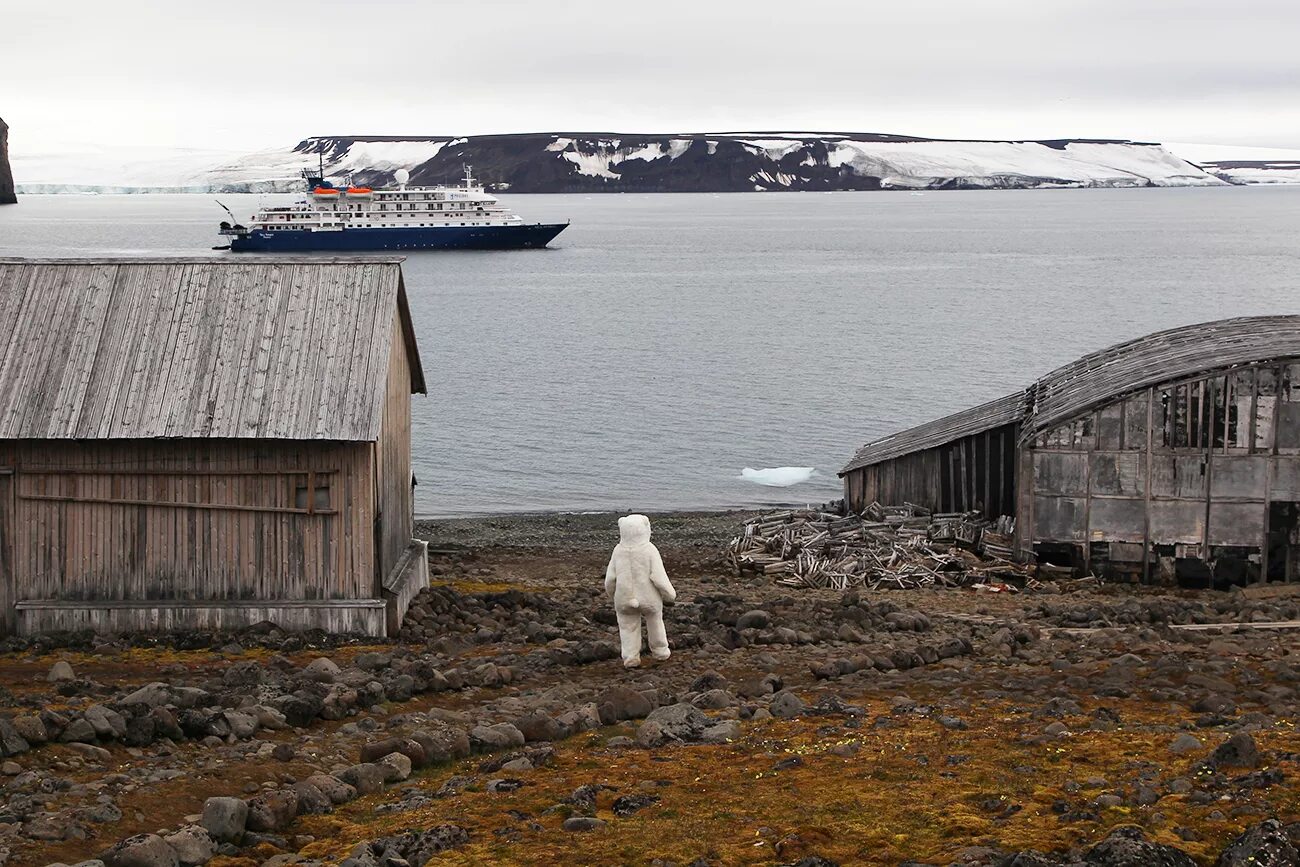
703	162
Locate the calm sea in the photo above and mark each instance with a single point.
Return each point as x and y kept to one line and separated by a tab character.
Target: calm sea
668	341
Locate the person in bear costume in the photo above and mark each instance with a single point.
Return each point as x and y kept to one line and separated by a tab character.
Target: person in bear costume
639	586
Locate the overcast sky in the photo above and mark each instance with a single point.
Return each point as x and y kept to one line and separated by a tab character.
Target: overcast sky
245	75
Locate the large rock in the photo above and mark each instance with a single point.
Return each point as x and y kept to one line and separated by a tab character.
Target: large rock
151	694
273	810
108	723
442	743
1127	846
620	703
675	722
409	747
786	705
396	767
60	672
7	196
11	742
142	850
1238	751
193	845
502	736
31	729
365	777
537	726
225	819
1262	845
756	619
321	670
311	800
333	788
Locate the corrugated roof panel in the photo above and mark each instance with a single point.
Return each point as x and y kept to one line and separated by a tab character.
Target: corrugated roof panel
246	348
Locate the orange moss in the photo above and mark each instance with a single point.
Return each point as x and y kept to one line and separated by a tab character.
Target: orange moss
888	803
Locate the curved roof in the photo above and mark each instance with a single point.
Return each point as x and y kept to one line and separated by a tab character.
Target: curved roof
250	348
1100	377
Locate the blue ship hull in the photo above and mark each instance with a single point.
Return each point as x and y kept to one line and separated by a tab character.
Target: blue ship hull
413	238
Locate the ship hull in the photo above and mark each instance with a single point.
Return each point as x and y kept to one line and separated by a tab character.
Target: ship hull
405	238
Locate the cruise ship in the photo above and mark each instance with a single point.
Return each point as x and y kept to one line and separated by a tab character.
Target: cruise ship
357	219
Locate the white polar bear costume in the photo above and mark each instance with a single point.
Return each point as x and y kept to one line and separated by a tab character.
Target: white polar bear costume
637	581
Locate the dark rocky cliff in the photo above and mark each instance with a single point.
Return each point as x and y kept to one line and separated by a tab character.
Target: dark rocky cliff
589	162
7	196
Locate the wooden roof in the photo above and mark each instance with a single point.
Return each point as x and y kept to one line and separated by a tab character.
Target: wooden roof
1101	377
239	347
977	419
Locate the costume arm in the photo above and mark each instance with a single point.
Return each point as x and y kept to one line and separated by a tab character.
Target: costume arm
659	577
609	578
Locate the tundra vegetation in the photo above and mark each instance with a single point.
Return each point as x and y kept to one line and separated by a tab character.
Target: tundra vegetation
1072	725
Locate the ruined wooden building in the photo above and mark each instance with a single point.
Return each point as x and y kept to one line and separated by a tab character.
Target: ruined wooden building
1177	453
206	443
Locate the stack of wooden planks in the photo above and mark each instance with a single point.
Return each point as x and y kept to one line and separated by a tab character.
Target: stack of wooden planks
886	547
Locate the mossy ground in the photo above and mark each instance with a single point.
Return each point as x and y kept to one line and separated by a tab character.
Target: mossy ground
900	797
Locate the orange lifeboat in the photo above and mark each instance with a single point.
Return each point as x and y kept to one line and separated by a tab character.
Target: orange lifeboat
324	193
359	192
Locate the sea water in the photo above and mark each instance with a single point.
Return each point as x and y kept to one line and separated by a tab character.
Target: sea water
666	342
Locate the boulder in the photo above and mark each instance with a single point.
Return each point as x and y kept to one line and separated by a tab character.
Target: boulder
620	703
502	736
365	777
311	800
675	722
756	619
1262	845
786	705
11	742
582	823
225	819
193	846
333	788
442	743
142	850
1238	751
273	810
151	694
321	670
408	747
1184	744
1127	846
30	728
537	726
721	733
79	731
60	672
396	767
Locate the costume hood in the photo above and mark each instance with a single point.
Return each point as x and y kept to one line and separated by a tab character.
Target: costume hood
633	530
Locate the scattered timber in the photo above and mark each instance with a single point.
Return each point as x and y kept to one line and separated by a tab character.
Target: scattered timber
886	547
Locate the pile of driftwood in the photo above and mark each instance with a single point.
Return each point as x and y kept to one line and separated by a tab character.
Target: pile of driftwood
886	547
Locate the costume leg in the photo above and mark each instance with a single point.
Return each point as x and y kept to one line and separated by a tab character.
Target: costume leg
654	627
629	635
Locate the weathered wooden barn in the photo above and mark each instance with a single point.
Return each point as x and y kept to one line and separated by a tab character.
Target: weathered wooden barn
206	443
1175	454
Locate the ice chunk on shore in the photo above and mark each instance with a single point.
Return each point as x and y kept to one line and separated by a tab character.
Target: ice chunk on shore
777	477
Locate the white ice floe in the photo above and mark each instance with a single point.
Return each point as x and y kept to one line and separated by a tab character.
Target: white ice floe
777	477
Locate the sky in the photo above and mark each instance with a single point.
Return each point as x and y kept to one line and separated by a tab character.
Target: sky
243	75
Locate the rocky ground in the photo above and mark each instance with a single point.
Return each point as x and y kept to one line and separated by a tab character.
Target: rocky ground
1074	726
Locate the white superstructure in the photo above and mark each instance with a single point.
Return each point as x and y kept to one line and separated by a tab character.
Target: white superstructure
330	208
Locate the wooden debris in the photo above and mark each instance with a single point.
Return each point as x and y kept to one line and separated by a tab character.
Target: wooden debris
886	547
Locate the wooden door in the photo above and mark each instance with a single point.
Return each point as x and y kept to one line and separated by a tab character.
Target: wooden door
8	617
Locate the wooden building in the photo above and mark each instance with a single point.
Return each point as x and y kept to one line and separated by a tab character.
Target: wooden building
1176	454
206	443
